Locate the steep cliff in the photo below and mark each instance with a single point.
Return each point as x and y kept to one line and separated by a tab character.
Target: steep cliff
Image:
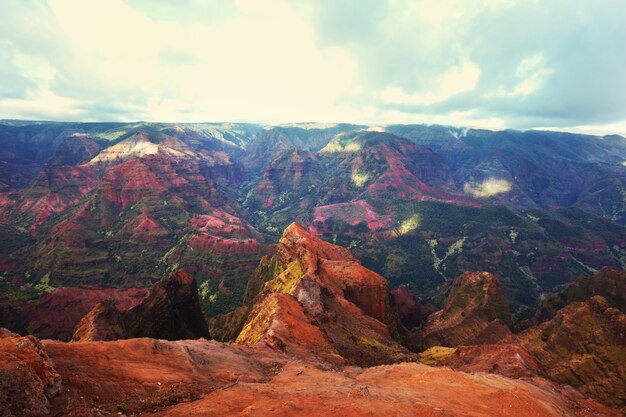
171	311
475	312
320	299
584	345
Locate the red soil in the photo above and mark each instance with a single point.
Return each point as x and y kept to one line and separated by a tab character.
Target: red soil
353	213
225	246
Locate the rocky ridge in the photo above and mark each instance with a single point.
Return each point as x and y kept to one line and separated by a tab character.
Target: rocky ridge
583	345
475	312
170	311
341	309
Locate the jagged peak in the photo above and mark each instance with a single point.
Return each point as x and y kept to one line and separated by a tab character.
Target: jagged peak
479	291
327	285
297	239
141	144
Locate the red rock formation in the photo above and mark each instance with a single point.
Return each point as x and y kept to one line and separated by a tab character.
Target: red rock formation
220	223
325	286
475	312
292	170
410	312
197	377
28	378
287	328
127	183
54	190
352	213
404	390
220	245
584	345
69	305
144	228
398	167
507	360
103	322
171	311
142	375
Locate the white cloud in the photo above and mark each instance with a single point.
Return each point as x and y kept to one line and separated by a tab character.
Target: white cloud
261	64
530	75
488	63
618	128
456	80
42	104
487	188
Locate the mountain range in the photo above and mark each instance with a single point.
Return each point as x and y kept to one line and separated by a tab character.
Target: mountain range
117	205
409	264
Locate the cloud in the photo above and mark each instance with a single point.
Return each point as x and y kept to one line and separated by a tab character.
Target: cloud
531	74
452	82
491	63
551	64
487	188
260	64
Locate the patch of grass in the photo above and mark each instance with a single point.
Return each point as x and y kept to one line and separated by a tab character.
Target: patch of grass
122	407
435	354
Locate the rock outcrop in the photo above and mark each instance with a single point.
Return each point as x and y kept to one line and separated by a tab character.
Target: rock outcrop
584	345
197	377
171	311
410	312
69	304
507	360
28	378
609	282
405	390
475	312
320	299
103	322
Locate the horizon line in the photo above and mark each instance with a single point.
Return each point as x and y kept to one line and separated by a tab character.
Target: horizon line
587	130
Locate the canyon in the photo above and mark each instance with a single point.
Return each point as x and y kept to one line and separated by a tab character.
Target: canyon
404	270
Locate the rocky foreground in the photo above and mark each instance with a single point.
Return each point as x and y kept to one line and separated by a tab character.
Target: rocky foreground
321	335
200	377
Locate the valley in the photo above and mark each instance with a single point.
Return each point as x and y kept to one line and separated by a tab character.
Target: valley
407	264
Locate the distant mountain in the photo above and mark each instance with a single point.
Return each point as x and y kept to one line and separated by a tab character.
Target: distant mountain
548	170
121	204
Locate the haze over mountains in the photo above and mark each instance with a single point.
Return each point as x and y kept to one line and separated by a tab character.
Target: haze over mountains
408	239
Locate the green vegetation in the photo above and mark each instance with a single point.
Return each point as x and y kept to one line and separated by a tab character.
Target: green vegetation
254	330
44	284
281	178
435	354
123	408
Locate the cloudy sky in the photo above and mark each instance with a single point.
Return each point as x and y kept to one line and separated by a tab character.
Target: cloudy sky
482	63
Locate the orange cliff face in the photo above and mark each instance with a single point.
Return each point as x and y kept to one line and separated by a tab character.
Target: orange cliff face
320	300
401	390
28	378
507	360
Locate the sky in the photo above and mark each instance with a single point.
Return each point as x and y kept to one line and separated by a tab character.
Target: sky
522	64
